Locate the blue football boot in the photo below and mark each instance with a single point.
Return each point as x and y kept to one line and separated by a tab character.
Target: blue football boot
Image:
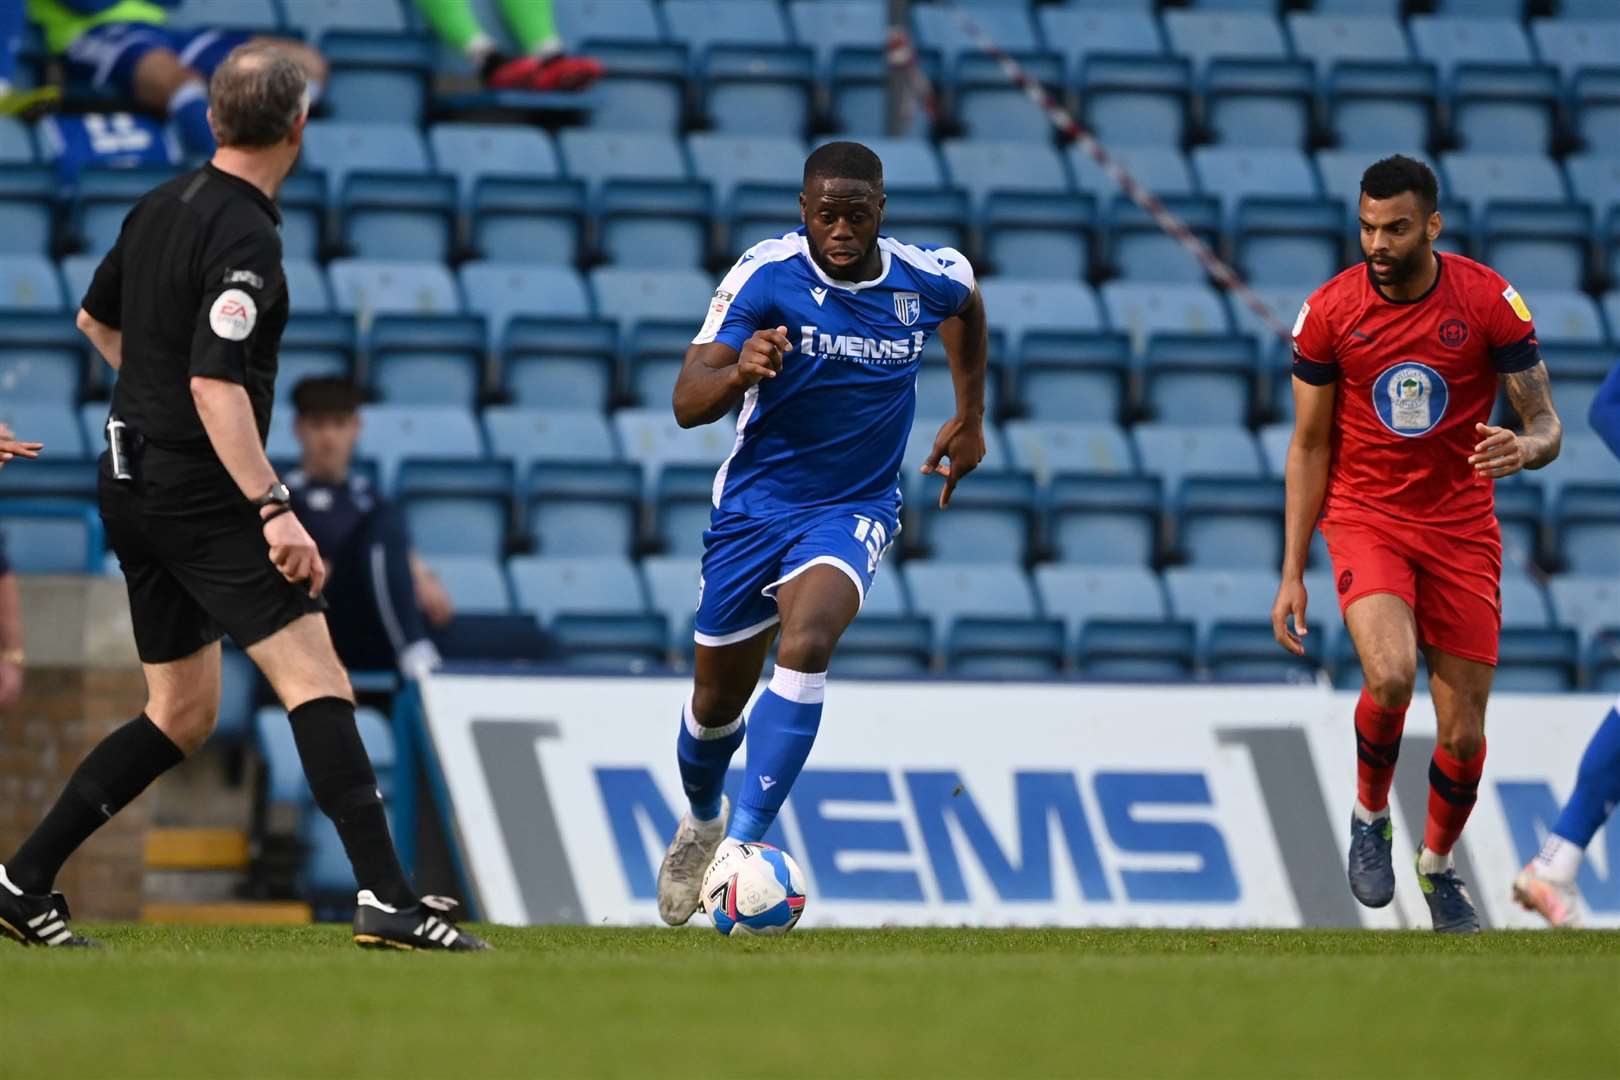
1450	906
1371	870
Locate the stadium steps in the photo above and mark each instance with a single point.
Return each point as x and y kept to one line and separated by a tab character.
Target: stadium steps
197	848
230	913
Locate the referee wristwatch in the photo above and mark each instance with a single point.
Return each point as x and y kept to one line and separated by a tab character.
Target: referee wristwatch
278	495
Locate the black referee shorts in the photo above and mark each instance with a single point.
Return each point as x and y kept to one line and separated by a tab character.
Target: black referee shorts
193	578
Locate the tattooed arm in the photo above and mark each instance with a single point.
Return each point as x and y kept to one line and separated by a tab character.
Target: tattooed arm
1501	452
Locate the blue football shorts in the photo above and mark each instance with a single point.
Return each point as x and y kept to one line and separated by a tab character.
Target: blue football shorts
105	56
746	559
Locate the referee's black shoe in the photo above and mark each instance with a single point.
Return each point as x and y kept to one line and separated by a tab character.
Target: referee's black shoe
420	926
37	920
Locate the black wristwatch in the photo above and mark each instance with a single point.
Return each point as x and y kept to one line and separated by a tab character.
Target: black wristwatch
278	494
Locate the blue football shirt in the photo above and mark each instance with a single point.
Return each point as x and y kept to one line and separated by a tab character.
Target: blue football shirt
831	428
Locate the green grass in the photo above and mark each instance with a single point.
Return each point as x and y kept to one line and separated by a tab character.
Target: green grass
173	1002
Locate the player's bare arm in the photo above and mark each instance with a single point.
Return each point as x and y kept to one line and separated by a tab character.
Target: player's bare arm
714	376
966	337
109	341
227	416
1305	474
1501	452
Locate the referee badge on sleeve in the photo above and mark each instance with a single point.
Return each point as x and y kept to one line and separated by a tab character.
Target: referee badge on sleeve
233	315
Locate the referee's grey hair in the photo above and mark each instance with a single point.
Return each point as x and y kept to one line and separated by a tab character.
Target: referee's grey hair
257	96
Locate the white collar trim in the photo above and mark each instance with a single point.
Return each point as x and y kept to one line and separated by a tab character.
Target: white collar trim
804	249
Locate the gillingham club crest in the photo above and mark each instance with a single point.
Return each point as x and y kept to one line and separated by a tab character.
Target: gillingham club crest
907	306
1410	398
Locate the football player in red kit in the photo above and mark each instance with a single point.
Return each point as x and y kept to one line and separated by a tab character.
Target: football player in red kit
1396	368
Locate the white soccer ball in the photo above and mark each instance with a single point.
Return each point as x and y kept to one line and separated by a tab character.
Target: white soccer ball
753	889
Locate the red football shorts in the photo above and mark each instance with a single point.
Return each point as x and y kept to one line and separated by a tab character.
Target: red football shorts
1452	583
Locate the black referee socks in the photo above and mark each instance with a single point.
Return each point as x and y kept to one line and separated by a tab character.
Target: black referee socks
345	788
121	766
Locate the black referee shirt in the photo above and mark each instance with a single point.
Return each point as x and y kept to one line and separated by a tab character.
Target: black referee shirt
195	284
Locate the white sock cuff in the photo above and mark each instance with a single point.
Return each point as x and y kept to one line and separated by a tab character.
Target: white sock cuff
479	48
1370	816
550	47
802	687
189	91
706	734
1432	862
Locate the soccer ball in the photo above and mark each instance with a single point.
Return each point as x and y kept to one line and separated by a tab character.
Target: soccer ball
753	890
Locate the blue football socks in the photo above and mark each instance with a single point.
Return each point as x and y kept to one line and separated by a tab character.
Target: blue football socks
782	728
1597	785
704	755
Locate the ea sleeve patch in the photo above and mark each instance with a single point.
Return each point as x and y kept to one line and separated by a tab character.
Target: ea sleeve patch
1299	320
233	315
1516	302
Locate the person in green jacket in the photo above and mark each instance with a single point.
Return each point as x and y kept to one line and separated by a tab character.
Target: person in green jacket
543	66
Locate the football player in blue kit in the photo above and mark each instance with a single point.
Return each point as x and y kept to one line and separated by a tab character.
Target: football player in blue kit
817	335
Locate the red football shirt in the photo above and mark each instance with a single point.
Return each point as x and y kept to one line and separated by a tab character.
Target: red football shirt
1414	378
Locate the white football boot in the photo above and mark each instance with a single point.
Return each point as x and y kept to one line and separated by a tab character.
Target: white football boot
680	878
1555	901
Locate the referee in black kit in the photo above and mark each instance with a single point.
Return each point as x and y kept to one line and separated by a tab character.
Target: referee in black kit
189	307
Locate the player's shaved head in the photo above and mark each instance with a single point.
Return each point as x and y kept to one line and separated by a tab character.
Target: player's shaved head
1398	173
844	161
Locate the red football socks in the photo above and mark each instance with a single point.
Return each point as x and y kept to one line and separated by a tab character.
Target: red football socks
1378	745
1453	787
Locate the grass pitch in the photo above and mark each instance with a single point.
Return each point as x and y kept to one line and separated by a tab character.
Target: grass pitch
206	1002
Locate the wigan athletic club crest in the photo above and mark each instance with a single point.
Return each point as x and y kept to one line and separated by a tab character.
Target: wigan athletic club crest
907	306
1410	398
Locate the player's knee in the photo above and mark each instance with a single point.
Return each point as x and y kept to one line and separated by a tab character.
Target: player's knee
1462	745
1390	684
716	706
807	648
188	722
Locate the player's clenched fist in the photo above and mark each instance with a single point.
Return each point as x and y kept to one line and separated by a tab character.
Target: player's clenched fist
1499	452
761	355
293	552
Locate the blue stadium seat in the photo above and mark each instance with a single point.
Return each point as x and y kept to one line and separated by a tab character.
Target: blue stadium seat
728	160
1596	179
16	142
105	198
391	433
1283	241
1611	308
1072	376
377	78
313	345
1574	43
1135	100
476	583
1284	302
238	694
1104	519
1537	661
756	211
1048	447
1161	169
1079	594
1577	372
1564	316
830	25
428	359
262	16
1596	108
611	642
887	645
1372	105
470	151
304	204
672	583
56	424
595	156
1041	235
703	23
550	586
1021	305
528	221
684	498
1503	108
1586	521
1479	178
907	162
989	104
1003	648
920	443
1238	173
887	596
77	273
502	291
1207	596
1518	513
1330	39
455	507
42	358
637	295
1583	459
1391	8
56	536
859	86
1230	523
1447	41
1140	250
654	352
991	520
1079	30
368	287
1501	9
644	87
1585	602
526	435
652	437
559	363
747	91
1538	246
1203	35
583	507
1244	651
315	17
655	224
1009	25
1175	451
390	215
1137	650
1266	103
27	198
983	166
940	217
584	21
948	591
1199	378
1141	310
307	292
1602	662
338	148
1524	604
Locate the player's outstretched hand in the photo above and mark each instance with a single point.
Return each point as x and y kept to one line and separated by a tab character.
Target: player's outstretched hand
961	440
761	355
1290	601
294	552
1497	454
11	446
